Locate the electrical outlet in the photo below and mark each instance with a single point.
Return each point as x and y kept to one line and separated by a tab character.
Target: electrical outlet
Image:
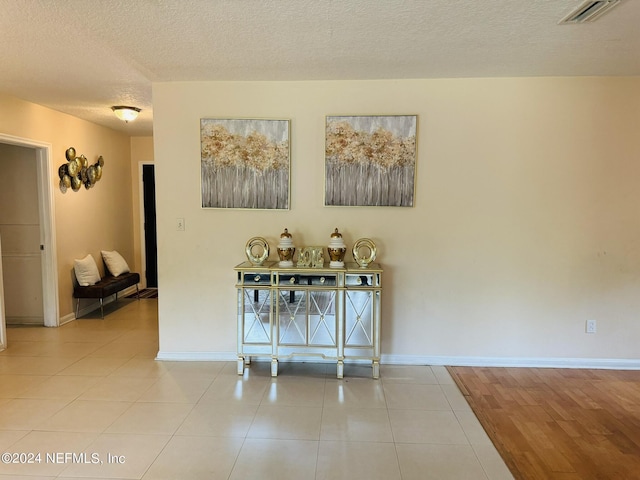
180	224
591	326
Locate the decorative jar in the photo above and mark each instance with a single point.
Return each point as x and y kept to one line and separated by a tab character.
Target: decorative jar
286	249
336	250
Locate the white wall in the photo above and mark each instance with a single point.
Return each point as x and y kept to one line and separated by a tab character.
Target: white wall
525	224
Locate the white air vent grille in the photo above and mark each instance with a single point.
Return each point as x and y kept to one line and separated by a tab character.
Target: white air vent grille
589	11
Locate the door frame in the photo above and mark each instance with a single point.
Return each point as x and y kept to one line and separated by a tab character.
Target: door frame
3	322
46	211
143	245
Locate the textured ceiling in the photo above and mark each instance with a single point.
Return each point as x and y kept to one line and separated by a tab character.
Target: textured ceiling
82	56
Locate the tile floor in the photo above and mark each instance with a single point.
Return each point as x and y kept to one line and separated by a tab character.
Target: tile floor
88	400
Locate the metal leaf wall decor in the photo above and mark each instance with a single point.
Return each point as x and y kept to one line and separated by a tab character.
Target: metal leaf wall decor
77	171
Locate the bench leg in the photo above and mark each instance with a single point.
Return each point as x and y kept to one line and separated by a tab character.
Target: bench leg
101	309
137	292
77	307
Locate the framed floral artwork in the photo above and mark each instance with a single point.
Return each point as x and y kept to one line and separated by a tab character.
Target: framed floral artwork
370	160
245	163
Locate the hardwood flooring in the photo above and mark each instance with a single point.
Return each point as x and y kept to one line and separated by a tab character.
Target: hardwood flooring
564	424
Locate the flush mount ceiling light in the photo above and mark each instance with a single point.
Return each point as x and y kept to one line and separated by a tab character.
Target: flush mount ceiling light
127	114
589	11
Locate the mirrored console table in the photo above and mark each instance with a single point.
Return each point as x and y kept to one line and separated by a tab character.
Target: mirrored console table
331	313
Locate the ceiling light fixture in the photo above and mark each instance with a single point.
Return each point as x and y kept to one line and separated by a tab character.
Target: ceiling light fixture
127	114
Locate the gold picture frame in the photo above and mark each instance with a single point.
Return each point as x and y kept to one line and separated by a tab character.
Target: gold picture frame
245	163
370	160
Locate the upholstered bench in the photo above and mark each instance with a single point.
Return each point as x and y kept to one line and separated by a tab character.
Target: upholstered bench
109	285
89	284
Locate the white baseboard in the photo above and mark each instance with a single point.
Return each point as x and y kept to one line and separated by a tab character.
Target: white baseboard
70	317
128	291
95	303
589	363
197	356
232	357
21	321
592	363
87	307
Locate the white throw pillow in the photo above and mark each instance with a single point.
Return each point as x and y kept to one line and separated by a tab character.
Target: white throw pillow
86	271
115	263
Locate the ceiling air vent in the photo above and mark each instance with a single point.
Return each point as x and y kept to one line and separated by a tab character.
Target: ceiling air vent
589	11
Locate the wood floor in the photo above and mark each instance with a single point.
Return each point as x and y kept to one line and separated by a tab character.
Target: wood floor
563	424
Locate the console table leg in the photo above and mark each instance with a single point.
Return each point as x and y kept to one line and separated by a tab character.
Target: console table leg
240	366
274	367
375	365
340	368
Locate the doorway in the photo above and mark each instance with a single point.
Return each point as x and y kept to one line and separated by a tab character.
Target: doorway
20	231
42	232
149	234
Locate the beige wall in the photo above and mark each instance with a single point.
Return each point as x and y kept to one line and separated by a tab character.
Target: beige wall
141	152
87	221
525	222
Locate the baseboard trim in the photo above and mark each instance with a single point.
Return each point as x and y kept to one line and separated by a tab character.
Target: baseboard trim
95	303
232	357
23	321
197	356
70	317
587	363
87	308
